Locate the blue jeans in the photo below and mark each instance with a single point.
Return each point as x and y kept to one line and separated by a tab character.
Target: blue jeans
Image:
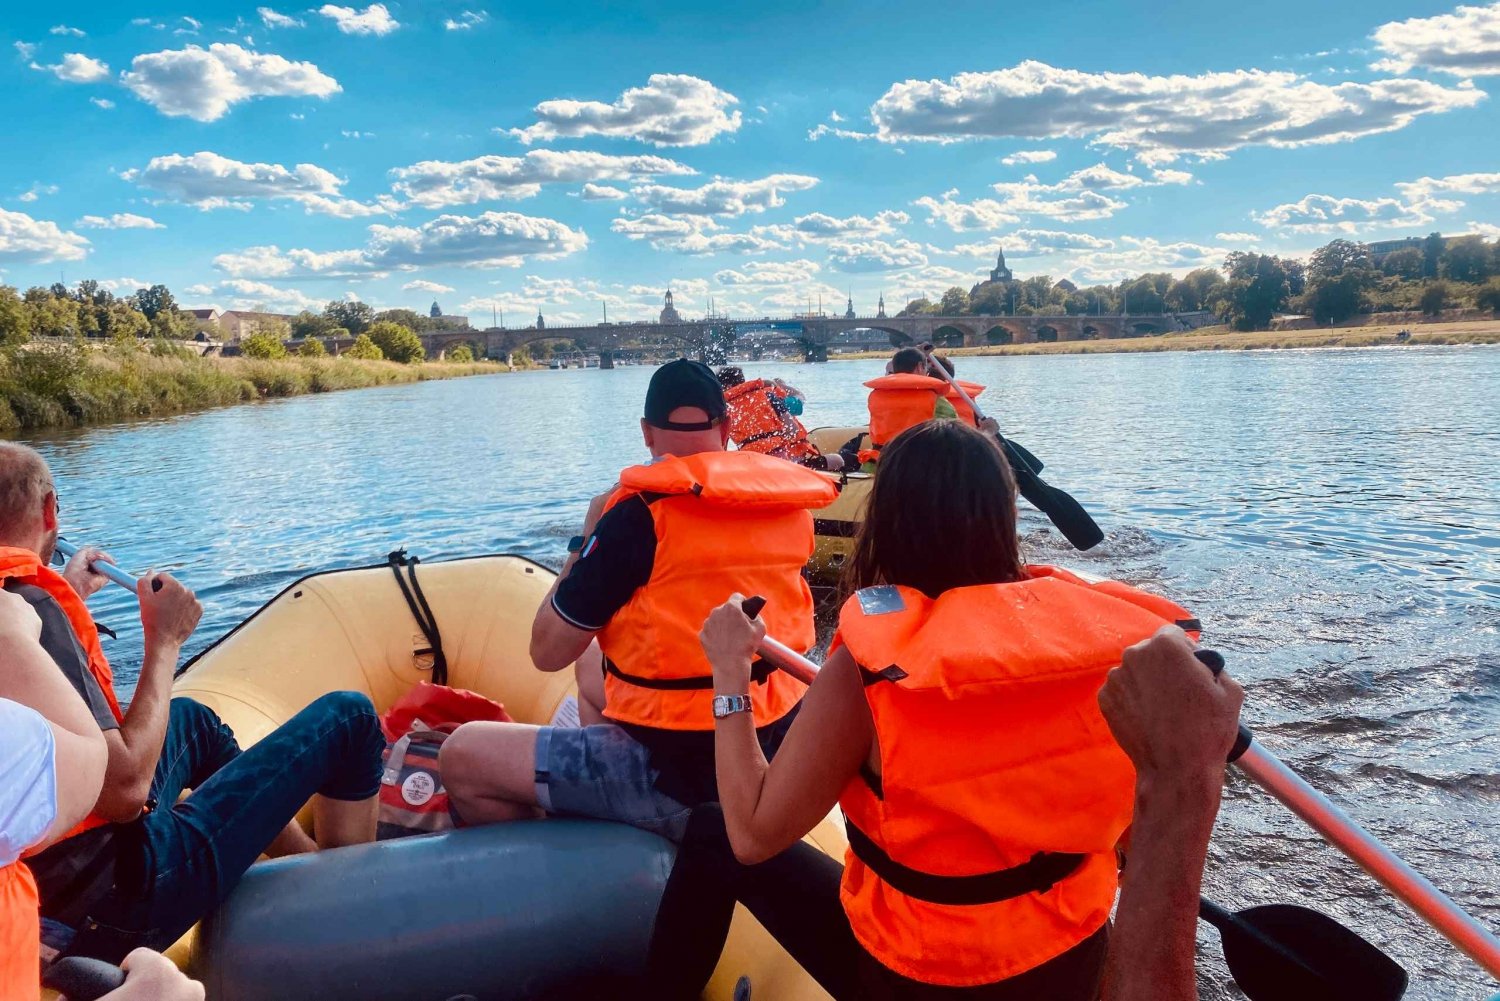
178	862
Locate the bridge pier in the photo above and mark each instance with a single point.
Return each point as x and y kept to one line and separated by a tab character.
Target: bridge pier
606	359
814	352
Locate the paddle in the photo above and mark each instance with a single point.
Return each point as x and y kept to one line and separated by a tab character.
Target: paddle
1060	506
1288	952
1315	809
117	576
78	978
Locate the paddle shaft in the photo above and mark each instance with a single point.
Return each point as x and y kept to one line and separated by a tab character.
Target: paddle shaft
114	573
1319	813
1405	883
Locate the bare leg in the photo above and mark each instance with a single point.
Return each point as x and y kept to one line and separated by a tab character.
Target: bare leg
489	770
341	822
292	840
589	672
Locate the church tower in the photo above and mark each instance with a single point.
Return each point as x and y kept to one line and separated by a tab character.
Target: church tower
669	312
541	324
434	312
880	310
849	311
1001	272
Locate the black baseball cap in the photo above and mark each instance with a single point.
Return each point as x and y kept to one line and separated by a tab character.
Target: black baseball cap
684	383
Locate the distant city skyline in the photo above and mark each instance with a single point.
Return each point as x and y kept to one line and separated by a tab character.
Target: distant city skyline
526	159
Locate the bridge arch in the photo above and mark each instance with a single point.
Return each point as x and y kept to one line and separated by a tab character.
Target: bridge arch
1141	328
1046	334
999	334
1090	332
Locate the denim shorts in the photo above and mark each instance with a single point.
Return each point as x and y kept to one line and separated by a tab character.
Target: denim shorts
601	771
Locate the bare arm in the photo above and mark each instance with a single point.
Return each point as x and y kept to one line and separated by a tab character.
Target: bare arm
169	616
29	677
555	642
1177	722
768	807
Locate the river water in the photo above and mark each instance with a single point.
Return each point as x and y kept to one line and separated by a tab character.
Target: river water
1333	516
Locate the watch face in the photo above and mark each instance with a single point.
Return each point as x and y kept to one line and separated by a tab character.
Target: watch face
575	544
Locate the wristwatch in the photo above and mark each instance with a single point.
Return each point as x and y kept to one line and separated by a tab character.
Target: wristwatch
576	544
727	705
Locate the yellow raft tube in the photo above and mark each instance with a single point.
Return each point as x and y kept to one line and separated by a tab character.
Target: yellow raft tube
836	524
540	908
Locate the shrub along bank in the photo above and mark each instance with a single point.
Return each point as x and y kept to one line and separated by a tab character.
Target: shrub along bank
70	383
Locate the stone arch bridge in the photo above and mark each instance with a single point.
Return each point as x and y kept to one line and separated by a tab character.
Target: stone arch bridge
814	335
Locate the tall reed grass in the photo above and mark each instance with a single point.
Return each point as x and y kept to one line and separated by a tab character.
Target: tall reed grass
72	384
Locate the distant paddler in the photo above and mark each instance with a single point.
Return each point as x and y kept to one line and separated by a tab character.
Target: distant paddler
763	418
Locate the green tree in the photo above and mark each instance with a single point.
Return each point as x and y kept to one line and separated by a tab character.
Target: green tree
310	324
1433	298
122	322
353	315
312	347
364	349
461	354
50	316
989	299
916	307
1432	254
14	328
1337	258
397	343
264	343
410	319
1487	298
1404	263
955	302
1467	259
155	300
1258	286
1338	276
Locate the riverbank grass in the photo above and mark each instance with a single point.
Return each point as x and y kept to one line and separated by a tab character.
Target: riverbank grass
1221	338
72	384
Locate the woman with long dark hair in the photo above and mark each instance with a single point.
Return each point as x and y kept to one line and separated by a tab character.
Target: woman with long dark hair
956	722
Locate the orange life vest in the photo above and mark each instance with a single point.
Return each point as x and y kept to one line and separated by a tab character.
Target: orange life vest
725	522
20	934
971	866
965	412
26	567
758	423
898	402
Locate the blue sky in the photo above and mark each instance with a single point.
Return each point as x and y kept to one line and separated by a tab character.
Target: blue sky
520	157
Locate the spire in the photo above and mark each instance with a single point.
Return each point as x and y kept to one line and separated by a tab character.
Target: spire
880	310
849	311
541	324
434	311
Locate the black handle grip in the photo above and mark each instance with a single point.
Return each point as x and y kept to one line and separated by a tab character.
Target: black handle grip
752	606
81	979
1214	661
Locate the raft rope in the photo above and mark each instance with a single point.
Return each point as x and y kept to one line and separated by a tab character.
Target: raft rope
420	610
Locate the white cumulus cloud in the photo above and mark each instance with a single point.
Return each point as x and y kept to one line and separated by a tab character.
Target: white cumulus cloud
697	235
438	183
1029	156
760	273
671	110
818	226
423	285
468	19
491	239
602	192
24	240
273	19
77	68
102	102
202	84
207	181
120	220
63	29
1327	214
722	196
1464	43
1156	117
875	255
373	20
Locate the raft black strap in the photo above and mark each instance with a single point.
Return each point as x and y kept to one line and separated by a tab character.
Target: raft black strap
1043	871
759	672
420	610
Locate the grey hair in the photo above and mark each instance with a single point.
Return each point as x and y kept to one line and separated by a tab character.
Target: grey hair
24	481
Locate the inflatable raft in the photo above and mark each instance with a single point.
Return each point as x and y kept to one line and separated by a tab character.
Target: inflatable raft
534	909
836	524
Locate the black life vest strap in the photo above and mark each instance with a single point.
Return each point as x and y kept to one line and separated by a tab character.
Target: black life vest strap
759	672
763	436
420	610
1042	872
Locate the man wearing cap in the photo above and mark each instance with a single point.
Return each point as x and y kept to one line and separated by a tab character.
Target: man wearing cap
674	538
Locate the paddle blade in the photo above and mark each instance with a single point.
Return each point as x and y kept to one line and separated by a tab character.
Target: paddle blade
1281	952
1015	450
1065	512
